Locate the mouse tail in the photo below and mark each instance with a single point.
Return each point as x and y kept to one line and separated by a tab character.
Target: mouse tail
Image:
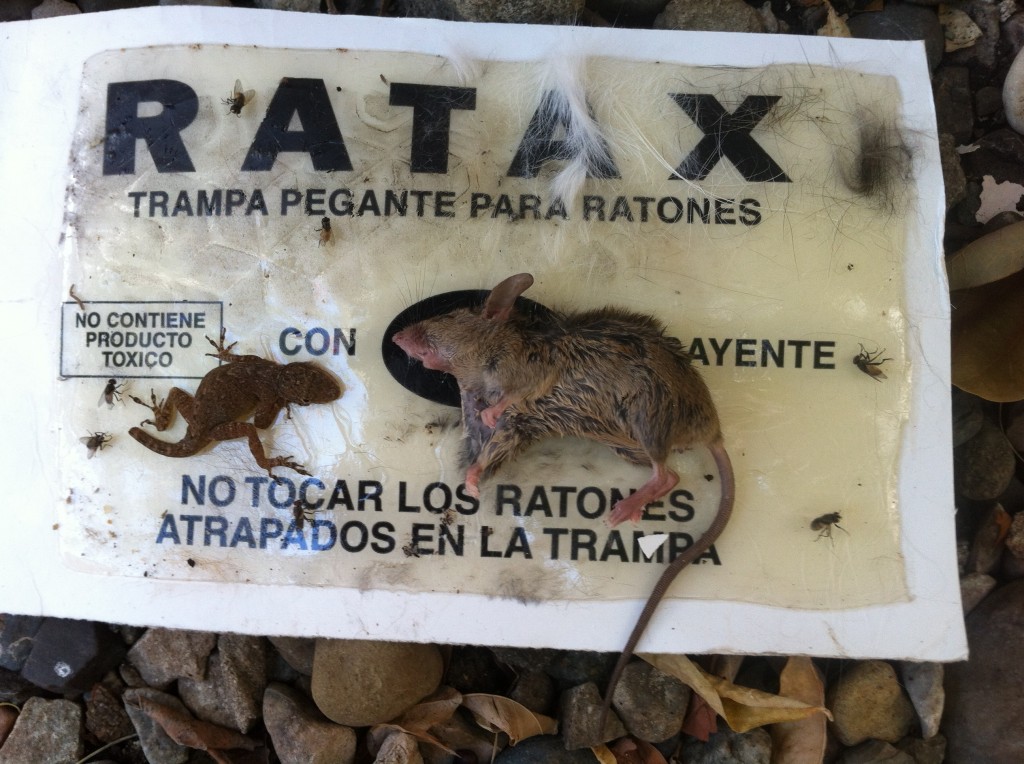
725	505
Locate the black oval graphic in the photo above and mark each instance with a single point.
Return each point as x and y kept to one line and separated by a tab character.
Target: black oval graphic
433	385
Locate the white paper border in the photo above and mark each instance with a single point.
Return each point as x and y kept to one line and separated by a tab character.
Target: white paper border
40	79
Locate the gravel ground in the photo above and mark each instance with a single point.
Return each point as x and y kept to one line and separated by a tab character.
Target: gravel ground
74	690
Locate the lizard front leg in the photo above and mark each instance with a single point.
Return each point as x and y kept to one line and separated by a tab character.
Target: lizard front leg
233	430
163	411
224	353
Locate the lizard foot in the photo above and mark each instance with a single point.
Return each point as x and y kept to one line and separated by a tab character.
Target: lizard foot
283	461
223	353
156	407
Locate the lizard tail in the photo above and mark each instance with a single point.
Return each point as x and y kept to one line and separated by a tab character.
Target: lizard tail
187	446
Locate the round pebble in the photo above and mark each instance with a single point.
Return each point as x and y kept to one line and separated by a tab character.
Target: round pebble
984	702
710	16
359	682
868	703
1013	93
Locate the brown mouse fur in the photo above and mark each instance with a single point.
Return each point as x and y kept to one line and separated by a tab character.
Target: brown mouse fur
609	375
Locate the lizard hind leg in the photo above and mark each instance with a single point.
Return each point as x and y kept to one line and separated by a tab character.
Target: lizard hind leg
163	411
233	430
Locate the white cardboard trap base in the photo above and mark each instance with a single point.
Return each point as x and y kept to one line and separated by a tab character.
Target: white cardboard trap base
763	252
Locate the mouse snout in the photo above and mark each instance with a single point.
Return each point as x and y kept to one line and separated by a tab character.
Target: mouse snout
411	339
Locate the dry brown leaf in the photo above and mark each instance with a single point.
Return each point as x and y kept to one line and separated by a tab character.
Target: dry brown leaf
690	674
742	708
380	733
987	334
498	714
990	258
603	754
803	741
184	729
700	721
631	750
399	748
436	709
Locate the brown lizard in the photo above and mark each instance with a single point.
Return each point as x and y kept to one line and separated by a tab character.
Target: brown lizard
228	395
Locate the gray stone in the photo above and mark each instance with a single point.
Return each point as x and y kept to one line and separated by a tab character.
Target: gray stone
359	682
987	101
50	9
728	747
69	656
399	748
923	682
1012	567
580	715
16	635
301	6
954	105
930	751
650	703
156	744
8	717
985	14
164	655
610	9
988	542
232	693
461	734
1015	538
301	734
984	703
899	21
984	465
474	669
535	690
710	16
875	752
297	652
1000	154
14	689
868	702
17	10
1012	96
974	587
963	549
105	716
92	6
955	183
967	415
1013	33
569	667
47	732
502	11
543	748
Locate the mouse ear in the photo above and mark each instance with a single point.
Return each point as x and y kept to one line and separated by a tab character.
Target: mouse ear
499	303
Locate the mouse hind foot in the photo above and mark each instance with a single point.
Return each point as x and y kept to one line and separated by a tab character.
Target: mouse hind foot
631	508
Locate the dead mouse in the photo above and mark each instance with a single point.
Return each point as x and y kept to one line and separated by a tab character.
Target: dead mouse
609	375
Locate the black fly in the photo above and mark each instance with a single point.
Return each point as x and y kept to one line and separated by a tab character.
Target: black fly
95	442
825	523
870	364
238	99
